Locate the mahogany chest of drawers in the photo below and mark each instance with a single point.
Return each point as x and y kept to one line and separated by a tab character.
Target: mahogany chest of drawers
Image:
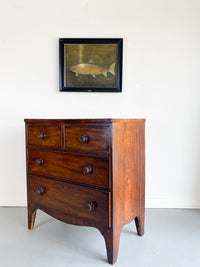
88	172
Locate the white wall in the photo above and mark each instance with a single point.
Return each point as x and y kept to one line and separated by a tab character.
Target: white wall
161	82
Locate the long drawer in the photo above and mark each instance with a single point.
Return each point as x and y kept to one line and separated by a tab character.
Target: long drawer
85	169
72	200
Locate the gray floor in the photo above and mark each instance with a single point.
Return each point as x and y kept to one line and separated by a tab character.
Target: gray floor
172	239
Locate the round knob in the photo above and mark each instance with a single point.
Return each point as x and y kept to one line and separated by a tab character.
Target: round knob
39	191
42	136
91	206
83	139
39	162
87	170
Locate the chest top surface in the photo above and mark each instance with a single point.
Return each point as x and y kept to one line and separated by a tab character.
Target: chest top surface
87	121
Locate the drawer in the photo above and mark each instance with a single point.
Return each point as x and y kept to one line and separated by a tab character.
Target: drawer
72	200
87	138
85	169
49	136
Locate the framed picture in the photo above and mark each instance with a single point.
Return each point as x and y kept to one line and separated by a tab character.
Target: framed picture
90	65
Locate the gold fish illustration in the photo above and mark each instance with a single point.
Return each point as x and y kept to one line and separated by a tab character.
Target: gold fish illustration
91	69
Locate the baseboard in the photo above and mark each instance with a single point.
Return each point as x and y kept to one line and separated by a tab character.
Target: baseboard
176	203
11	203
151	203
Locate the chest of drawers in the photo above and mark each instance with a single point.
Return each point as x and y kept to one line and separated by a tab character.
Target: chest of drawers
88	172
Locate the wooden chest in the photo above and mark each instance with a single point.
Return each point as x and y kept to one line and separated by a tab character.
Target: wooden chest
88	172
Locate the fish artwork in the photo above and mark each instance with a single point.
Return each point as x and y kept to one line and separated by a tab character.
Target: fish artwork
92	69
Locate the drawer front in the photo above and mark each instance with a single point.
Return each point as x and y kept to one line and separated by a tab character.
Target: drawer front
87	138
86	169
49	136
72	200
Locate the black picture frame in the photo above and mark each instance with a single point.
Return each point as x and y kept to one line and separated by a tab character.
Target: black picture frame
86	75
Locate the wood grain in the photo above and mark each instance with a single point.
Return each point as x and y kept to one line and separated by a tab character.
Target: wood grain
98	138
52	136
70	166
83	121
69	199
128	183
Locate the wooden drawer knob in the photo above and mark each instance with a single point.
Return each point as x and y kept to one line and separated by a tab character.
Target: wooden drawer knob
91	206
42	136
40	191
87	170
83	139
39	162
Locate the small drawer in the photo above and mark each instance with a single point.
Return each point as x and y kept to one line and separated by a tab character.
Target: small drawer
74	201
87	138
84	169
49	136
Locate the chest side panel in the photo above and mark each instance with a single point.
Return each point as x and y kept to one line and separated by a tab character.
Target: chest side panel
128	168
